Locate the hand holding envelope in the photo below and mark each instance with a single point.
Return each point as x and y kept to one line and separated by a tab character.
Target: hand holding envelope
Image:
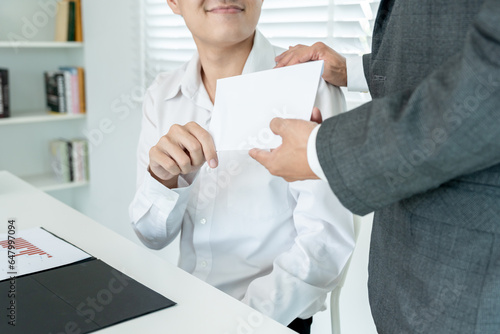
289	160
182	150
245	105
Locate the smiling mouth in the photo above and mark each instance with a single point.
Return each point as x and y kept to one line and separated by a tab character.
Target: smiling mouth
226	10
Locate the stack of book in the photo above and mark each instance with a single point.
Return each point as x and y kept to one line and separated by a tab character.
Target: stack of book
65	90
4	93
70	160
69	21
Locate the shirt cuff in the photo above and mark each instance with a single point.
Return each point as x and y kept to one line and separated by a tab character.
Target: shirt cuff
356	80
312	156
158	200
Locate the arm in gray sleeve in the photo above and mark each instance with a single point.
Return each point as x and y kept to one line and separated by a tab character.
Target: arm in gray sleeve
413	141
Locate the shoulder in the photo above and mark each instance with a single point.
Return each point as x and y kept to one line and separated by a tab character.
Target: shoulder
262	45
329	100
167	84
278	50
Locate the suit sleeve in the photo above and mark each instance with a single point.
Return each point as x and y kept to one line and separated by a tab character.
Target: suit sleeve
414	141
366	65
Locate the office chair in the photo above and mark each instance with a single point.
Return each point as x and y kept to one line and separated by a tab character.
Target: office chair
335	294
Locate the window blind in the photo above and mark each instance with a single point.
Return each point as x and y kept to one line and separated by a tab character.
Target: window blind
345	25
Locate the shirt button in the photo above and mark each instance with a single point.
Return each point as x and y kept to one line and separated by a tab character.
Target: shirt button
203	221
203	264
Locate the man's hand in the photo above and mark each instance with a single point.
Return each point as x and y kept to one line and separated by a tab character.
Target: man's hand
181	151
289	160
335	71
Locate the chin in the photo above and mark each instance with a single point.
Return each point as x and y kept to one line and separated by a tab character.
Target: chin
230	36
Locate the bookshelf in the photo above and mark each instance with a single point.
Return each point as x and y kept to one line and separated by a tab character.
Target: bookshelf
41	44
45	182
25	136
37	116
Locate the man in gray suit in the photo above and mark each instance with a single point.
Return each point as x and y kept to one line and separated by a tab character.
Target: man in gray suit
424	155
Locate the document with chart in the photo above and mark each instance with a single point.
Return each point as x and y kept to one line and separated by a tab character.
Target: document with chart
48	283
34	250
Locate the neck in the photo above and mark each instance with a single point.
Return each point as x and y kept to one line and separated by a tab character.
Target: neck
222	62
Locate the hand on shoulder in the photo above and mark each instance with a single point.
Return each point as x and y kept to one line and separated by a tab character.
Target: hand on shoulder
335	71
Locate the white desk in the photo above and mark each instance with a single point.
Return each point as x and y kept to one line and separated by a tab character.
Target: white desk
201	308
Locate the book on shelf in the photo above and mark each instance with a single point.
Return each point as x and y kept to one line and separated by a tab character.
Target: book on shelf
79	160
65	90
71	89
69	21
4	93
59	150
55	91
81	89
62	20
78	21
70	160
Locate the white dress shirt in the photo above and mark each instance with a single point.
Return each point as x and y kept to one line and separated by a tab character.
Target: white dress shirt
279	247
356	82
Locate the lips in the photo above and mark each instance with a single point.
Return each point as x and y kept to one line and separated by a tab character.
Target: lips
225	10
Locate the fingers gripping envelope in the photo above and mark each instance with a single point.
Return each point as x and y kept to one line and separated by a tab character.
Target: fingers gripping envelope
245	105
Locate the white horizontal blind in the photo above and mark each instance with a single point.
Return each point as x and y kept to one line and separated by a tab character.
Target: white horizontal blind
168	42
342	24
345	25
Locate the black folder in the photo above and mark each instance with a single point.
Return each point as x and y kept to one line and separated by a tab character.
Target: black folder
81	297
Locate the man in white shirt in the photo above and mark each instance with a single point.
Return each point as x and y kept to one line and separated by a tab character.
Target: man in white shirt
278	247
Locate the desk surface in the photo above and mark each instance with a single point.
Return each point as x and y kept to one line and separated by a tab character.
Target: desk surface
201	308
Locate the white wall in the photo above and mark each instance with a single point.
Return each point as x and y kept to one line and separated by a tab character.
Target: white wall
112	72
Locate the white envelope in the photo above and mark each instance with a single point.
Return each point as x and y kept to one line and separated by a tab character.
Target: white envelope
245	105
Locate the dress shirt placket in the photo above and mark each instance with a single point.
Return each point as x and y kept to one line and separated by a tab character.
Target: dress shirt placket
203	220
203	217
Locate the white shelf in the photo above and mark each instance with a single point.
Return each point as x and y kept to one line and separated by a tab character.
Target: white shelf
37	116
15	45
48	182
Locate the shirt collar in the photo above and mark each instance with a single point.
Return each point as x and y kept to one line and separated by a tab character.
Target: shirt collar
262	55
189	81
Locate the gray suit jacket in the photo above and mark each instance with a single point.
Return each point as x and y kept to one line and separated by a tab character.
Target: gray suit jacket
425	156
